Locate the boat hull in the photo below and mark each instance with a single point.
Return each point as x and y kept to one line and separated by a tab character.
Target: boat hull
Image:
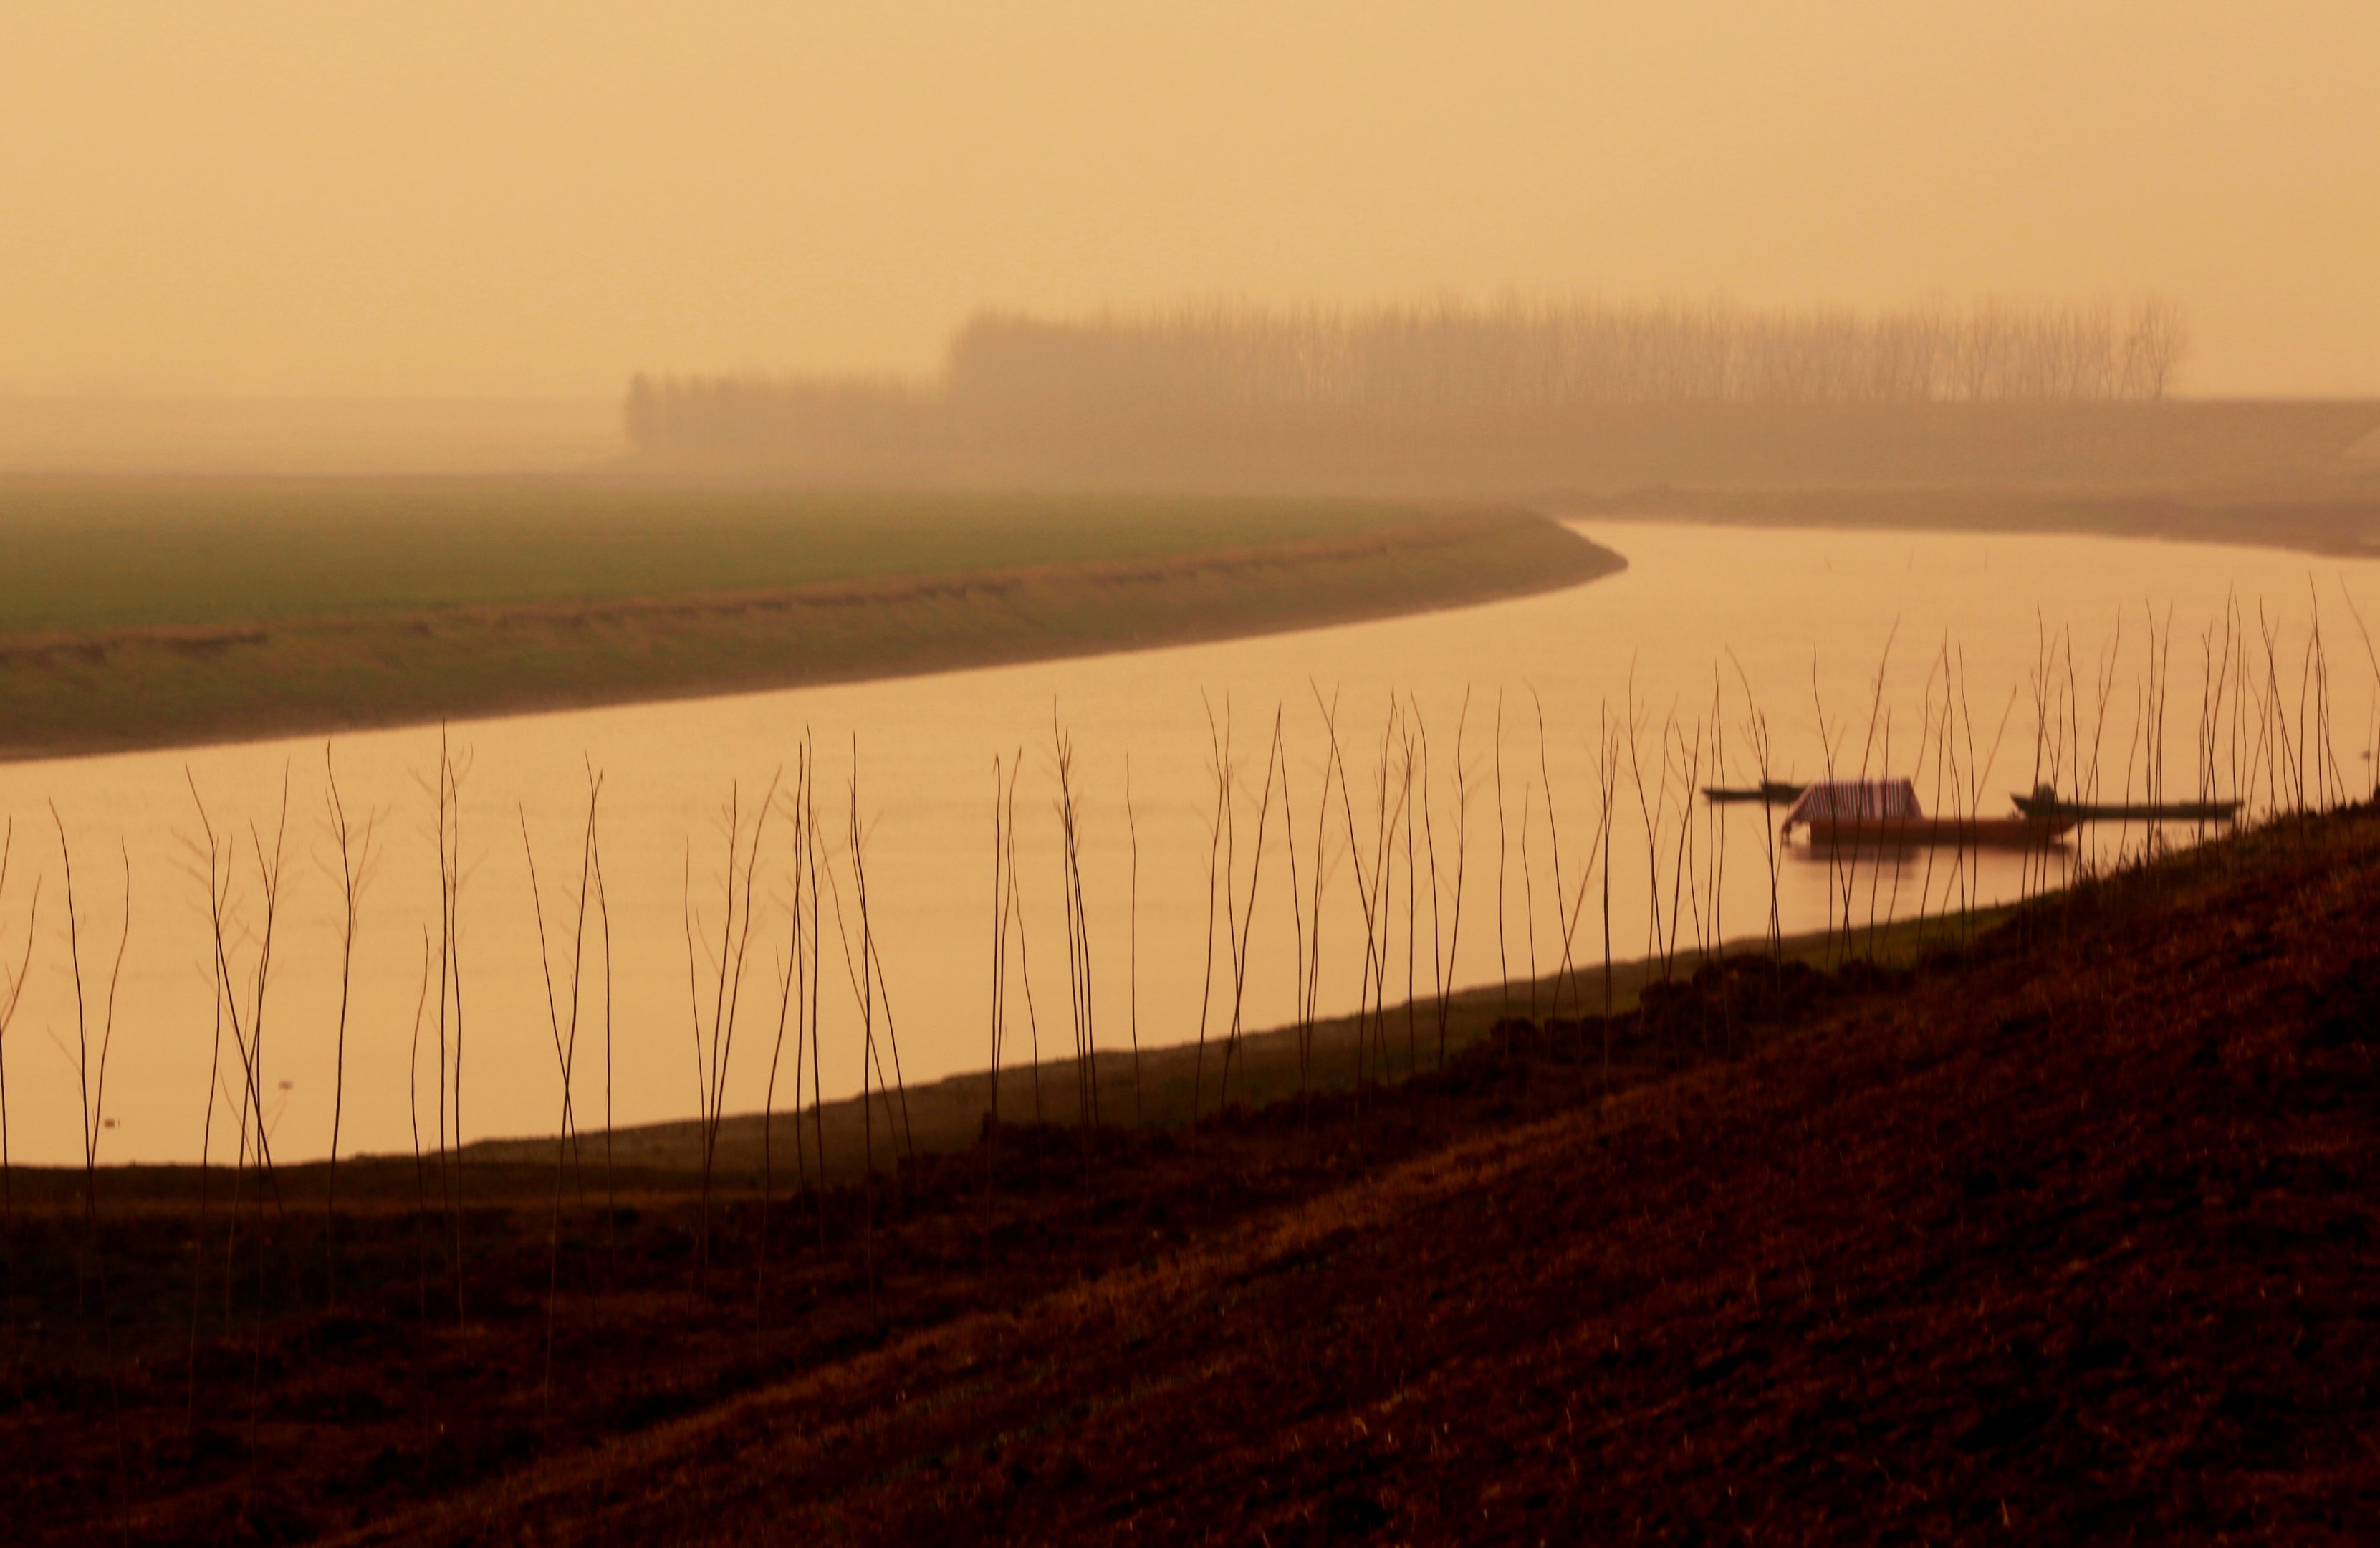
2014	832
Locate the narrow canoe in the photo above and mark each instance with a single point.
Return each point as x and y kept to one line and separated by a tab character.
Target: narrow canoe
1775	792
2040	806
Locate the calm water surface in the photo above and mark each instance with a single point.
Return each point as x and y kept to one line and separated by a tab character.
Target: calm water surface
1788	605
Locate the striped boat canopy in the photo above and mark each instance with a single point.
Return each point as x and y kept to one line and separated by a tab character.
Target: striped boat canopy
1855	800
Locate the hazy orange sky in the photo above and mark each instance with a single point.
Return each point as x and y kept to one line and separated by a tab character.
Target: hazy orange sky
425	197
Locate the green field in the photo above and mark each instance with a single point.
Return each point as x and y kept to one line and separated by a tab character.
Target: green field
87	555
164	612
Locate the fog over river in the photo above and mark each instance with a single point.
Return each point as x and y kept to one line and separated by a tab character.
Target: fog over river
1774	610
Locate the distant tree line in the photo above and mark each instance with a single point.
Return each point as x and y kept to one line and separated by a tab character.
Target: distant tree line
1521	354
1194	366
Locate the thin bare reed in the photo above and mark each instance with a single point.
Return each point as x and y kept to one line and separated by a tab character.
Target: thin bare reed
1132	936
1219	748
11	992
1247	923
355	861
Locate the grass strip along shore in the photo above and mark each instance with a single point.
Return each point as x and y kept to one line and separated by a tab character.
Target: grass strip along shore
2340	519
2059	1224
146	615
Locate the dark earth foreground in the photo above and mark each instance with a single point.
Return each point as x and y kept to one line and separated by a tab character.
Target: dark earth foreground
2067	1234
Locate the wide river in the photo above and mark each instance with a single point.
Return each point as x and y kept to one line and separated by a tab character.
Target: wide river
1802	617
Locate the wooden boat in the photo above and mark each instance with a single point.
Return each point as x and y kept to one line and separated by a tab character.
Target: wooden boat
1772	792
1884	812
2044	803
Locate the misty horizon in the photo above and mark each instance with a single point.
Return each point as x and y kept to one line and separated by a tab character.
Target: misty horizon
263	200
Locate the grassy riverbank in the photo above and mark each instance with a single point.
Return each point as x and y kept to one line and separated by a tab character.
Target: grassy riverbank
1154	1088
138	613
2342	522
